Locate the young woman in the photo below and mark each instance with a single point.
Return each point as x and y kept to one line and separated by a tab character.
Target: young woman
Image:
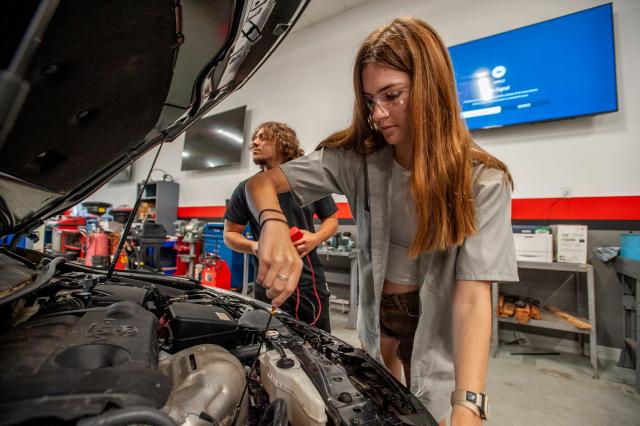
433	213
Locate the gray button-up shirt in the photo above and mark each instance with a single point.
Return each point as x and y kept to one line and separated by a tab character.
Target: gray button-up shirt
487	256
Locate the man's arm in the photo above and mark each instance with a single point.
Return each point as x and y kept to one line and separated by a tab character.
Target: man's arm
234	239
311	240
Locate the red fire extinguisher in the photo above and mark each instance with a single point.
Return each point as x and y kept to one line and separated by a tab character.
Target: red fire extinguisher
215	272
122	262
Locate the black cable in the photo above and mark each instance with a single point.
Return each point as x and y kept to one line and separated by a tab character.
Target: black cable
253	367
132	216
275	414
550	211
280	349
315	291
166	174
310	303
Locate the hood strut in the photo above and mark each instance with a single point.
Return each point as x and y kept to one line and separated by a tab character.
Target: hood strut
133	214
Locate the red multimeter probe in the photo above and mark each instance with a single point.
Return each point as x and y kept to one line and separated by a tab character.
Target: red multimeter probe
295	233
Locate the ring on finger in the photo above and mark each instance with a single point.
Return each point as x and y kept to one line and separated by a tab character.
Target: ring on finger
282	277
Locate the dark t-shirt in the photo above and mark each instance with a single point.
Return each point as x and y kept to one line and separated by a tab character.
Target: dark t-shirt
238	212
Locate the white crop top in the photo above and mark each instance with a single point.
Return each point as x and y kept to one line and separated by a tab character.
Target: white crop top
401	268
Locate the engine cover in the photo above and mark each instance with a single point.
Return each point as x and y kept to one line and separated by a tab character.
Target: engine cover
70	365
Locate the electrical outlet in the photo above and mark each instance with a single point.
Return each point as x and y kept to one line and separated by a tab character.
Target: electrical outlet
566	191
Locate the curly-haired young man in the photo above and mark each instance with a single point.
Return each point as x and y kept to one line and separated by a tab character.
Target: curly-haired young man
273	144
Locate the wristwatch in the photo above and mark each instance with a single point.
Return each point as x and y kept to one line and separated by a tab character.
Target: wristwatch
477	402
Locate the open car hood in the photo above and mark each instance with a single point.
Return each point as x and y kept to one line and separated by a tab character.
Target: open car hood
86	88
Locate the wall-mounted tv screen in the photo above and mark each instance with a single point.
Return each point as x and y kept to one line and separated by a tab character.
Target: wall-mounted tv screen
561	68
214	141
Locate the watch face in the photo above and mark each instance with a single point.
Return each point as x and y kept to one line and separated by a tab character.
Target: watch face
471	397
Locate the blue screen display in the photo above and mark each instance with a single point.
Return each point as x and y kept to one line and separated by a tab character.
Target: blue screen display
561	68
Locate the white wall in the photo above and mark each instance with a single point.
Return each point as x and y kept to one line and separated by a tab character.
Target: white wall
307	83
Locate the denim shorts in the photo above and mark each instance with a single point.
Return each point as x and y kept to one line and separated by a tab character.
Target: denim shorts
399	314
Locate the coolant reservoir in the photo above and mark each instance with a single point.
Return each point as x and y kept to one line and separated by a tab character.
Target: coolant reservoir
304	403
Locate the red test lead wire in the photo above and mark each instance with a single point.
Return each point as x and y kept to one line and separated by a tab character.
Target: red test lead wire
295	234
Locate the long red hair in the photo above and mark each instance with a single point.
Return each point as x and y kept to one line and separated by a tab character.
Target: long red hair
444	153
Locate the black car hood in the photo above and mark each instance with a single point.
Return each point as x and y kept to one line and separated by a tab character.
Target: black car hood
88	87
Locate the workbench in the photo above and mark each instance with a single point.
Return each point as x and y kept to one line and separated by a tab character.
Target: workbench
628	272
549	320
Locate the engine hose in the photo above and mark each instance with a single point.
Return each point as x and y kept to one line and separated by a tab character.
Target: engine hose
279	348
128	416
245	354
275	414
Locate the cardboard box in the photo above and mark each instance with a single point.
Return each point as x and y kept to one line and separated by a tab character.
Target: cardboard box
533	247
570	243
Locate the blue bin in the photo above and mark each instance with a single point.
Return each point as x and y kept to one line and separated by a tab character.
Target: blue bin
630	246
22	243
214	243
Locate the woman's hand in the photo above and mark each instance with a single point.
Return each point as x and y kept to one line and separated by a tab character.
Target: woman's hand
462	416
279	263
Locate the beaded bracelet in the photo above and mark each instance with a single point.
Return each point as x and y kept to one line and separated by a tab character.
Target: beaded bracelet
273	218
268	210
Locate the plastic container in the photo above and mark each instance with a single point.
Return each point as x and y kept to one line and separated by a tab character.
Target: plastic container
305	405
630	246
97	249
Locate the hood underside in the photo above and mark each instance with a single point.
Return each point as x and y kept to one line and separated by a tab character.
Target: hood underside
88	87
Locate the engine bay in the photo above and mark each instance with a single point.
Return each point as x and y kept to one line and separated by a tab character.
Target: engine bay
80	349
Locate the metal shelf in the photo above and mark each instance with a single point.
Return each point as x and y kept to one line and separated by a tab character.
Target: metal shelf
555	266
628	267
349	277
338	277
549	321
328	253
165	195
628	271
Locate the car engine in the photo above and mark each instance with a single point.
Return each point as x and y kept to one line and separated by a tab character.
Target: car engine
81	350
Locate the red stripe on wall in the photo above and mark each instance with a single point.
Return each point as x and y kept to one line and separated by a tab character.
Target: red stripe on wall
218	211
202	211
344	212
576	208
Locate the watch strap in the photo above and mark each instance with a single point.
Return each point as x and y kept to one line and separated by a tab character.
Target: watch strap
479	401
470	405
